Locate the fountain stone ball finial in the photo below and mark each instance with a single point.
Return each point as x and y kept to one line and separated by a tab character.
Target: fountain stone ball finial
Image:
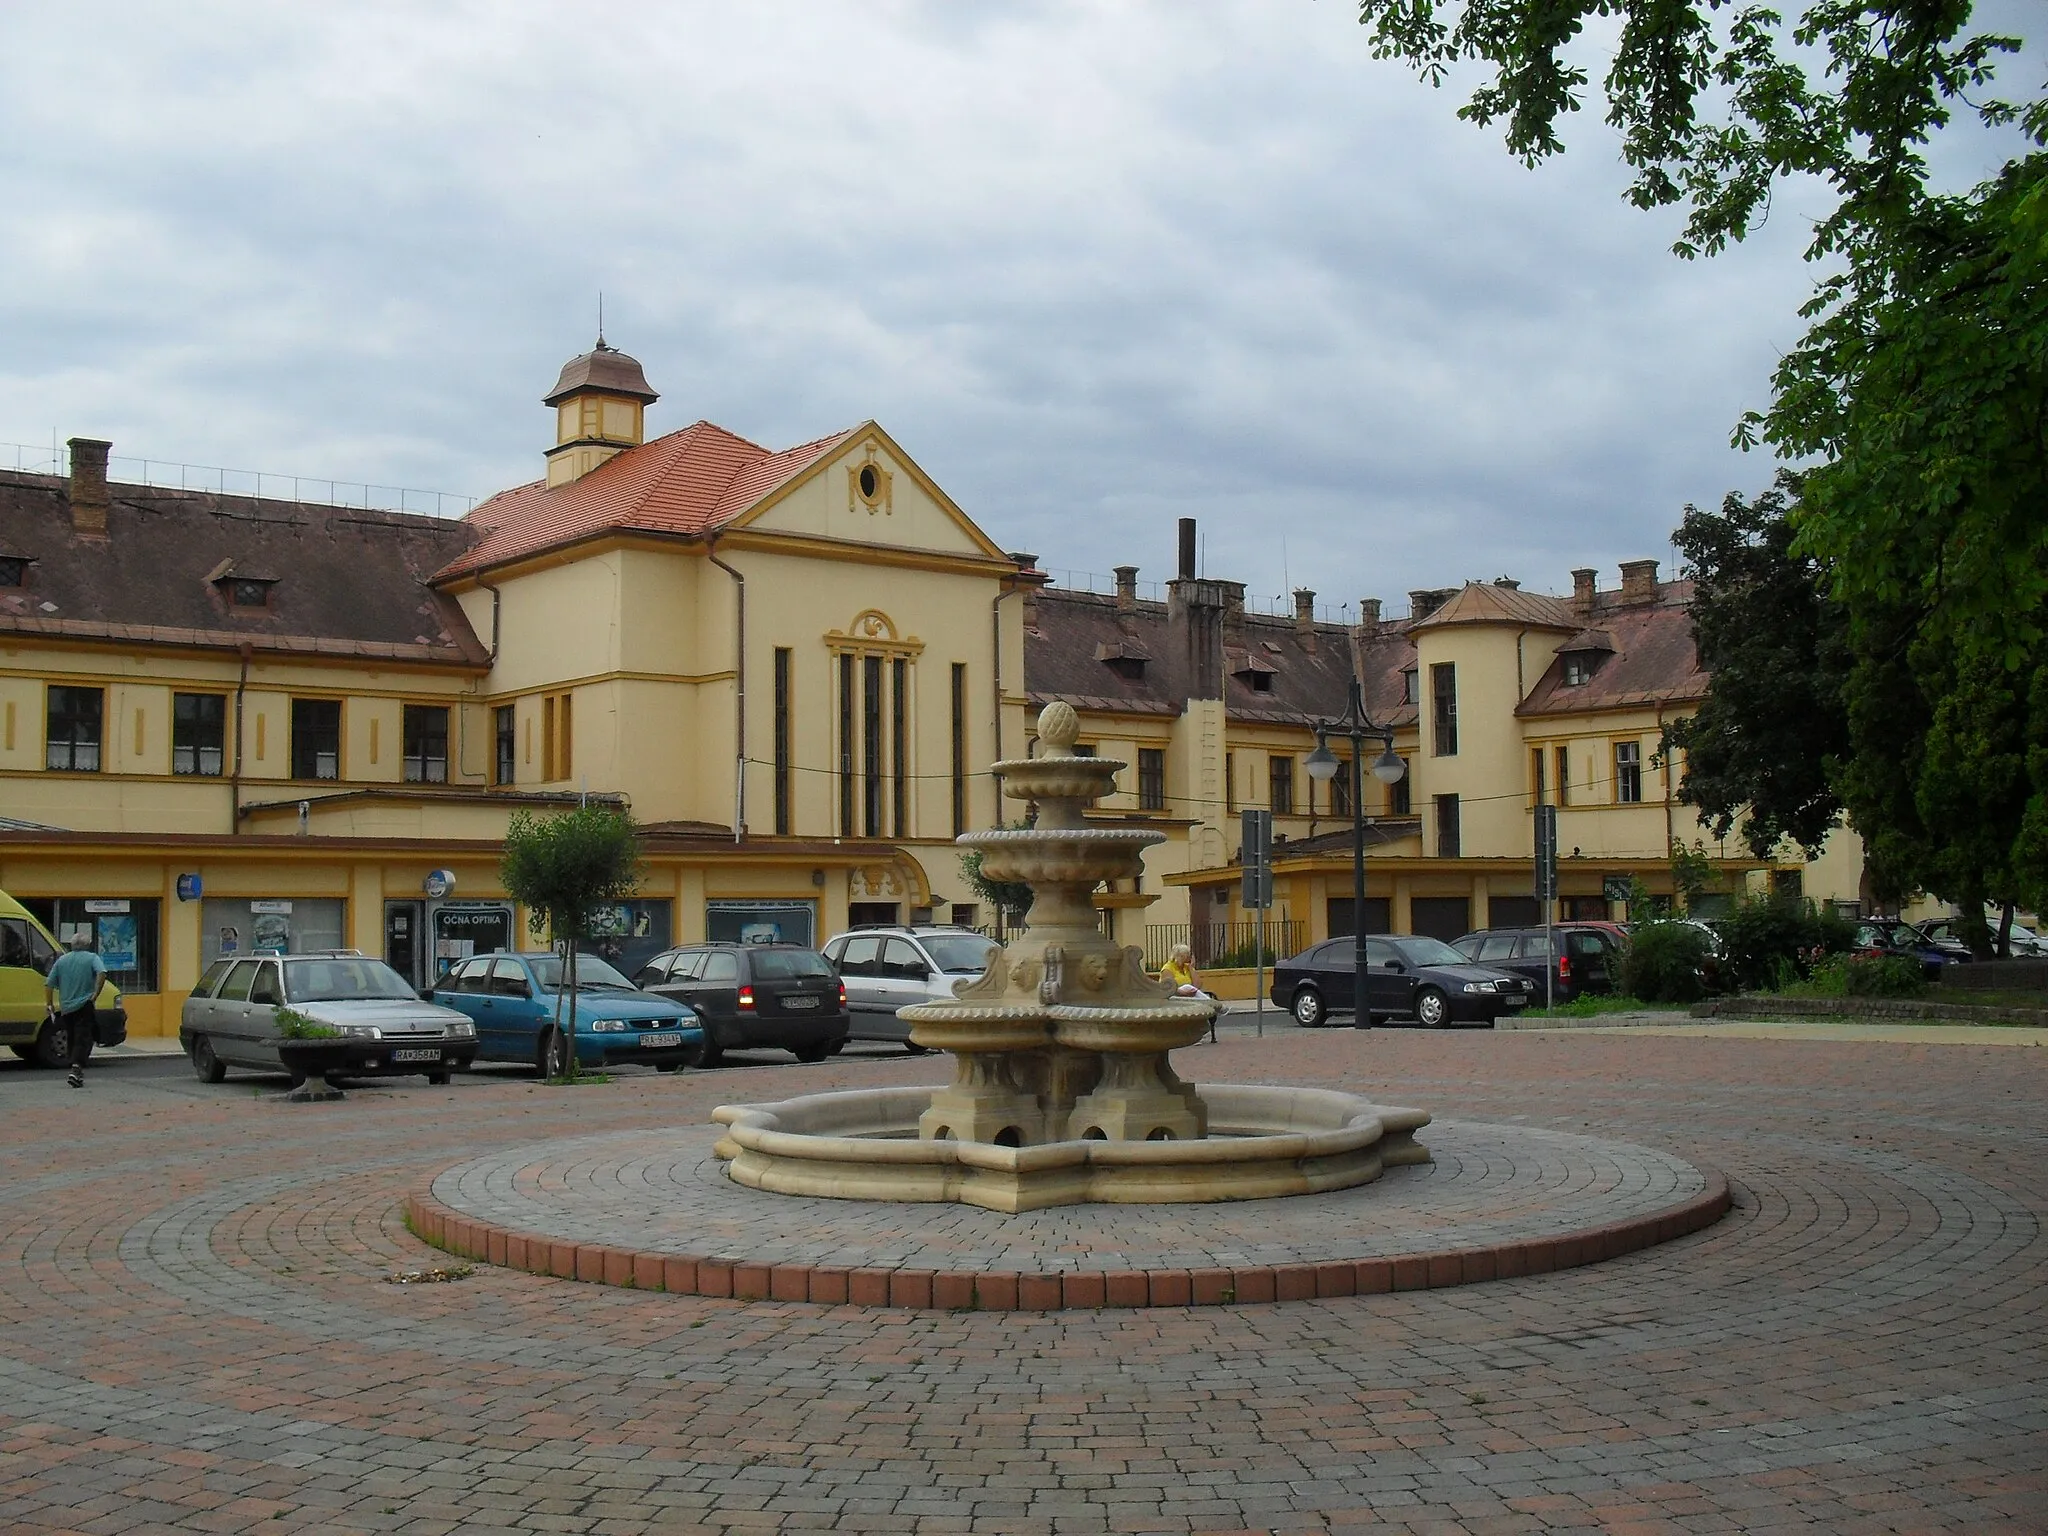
1059	728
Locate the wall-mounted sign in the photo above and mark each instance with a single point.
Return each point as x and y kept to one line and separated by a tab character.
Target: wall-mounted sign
440	882
190	888
102	904
271	906
1617	887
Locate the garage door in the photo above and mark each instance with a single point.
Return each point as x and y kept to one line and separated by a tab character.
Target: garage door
1441	917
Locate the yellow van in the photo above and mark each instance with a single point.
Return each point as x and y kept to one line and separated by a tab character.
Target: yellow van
26	1028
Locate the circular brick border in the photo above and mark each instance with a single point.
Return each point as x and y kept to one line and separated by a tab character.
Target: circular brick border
1011	1291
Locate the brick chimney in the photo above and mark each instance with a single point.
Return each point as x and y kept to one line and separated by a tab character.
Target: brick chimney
1197	613
1026	562
1305	618
89	500
1638	582
1126	598
1369	615
1426	600
1582	591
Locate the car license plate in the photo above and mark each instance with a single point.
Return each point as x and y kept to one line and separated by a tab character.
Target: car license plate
1519	1000
661	1039
418	1053
799	1002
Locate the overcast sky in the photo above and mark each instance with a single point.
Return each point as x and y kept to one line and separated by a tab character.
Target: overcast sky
1096	267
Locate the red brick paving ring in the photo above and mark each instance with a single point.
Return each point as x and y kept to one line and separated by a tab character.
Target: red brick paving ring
653	1210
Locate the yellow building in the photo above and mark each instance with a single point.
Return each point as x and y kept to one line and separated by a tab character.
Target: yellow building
229	722
1497	698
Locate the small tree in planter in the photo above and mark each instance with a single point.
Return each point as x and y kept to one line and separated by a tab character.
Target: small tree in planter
563	868
309	1050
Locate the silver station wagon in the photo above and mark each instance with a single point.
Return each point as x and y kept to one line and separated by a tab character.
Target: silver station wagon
230	1020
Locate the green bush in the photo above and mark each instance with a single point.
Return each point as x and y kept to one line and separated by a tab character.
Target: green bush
1866	976
1665	963
1771	941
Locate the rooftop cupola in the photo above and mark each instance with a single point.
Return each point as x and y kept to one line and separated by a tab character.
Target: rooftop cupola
600	404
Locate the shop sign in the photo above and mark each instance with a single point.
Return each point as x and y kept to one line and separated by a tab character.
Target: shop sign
189	888
103	904
270	906
1617	887
440	882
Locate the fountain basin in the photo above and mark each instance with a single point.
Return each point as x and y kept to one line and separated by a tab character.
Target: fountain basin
1262	1142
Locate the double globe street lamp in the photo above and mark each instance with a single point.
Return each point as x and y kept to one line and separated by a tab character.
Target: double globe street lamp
1323	765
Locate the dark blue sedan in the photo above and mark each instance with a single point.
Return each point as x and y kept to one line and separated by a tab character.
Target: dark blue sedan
515	1000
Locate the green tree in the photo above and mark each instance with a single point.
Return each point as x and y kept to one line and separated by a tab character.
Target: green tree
1010	896
1760	748
563	868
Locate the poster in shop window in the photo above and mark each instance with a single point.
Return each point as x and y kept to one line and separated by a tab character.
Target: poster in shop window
116	942
270	932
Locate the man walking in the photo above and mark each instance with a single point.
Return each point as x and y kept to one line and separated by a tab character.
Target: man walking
72	986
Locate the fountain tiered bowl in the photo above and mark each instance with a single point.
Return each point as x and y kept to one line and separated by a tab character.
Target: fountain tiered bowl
1063	1091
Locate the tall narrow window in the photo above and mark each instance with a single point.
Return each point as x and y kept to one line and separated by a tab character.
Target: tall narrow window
426	744
1564	776
899	747
565	738
1280	782
1447	826
871	746
199	730
846	773
547	739
1340	789
1401	794
1230	782
1537	787
1443	692
505	721
1628	772
782	665
73	734
959	748
1151	779
316	738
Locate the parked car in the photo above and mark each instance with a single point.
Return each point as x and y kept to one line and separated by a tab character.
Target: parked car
1575	958
1889	936
747	996
513	998
1945	934
230	1020
887	968
27	951
1407	976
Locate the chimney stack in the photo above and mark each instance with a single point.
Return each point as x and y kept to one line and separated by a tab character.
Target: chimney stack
1426	600
1127	598
1638	582
89	500
1305	618
1369	615
1026	562
1187	549
1582	591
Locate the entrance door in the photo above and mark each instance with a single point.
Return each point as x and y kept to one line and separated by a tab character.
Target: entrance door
402	924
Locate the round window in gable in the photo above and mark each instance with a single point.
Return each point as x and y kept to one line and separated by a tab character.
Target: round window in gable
870	482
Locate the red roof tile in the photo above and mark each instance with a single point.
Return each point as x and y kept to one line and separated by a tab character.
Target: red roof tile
689	482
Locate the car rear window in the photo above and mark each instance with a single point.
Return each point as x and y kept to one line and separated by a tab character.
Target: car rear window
788	964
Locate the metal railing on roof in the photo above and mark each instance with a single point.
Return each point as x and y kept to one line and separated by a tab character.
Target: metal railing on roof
1155	591
55	459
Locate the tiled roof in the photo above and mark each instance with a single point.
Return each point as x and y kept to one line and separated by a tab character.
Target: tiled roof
689	482
1488	602
1653	658
1072	650
348	582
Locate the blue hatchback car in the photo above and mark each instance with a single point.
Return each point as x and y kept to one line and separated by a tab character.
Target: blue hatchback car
513	999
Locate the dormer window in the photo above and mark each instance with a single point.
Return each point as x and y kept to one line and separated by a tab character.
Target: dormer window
13	570
1409	686
245	593
1123	657
1578	669
1259	682
1579	657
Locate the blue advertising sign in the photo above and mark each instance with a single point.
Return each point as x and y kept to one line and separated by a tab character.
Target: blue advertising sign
190	888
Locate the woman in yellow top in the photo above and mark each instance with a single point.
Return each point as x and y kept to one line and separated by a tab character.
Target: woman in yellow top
1180	970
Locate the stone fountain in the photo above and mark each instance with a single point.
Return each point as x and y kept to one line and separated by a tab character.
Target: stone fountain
1062	1089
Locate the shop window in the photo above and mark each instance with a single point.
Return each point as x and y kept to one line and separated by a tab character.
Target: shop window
764	922
199	733
316	738
1628	772
122	931
505	720
1280	785
1443	692
630	933
1151	779
426	744
73	729
286	925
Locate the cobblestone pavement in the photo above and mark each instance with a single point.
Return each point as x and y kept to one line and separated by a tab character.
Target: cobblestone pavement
204	1337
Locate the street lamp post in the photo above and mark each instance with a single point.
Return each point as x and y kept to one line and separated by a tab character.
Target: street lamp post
1322	764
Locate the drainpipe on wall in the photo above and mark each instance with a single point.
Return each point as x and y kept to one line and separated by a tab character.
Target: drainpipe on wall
475	691
241	687
739	673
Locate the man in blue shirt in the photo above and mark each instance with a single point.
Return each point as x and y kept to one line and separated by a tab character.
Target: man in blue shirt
71	986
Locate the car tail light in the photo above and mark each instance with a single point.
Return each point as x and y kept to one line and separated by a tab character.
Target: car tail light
746	997
1564	970
842	994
